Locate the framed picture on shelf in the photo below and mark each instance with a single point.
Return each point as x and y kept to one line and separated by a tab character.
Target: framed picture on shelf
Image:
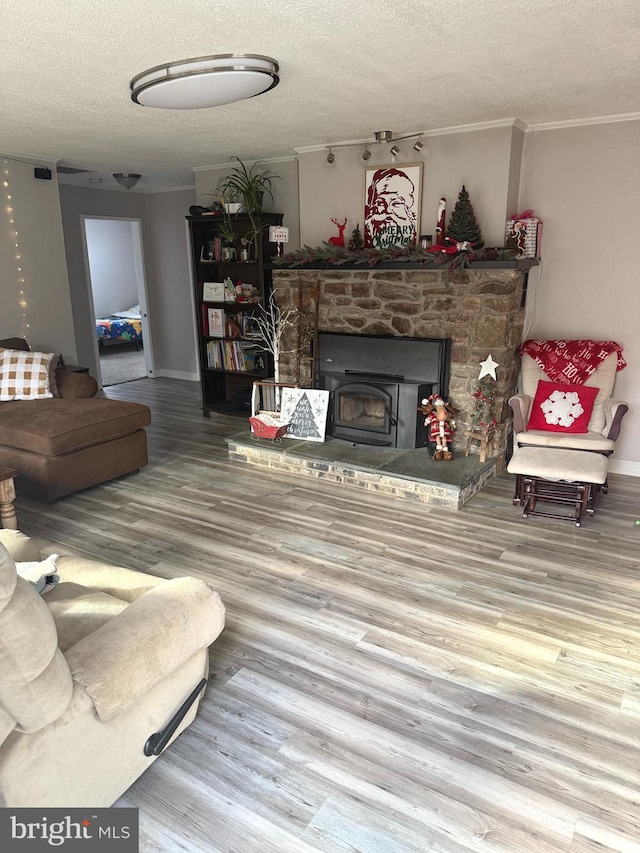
213	291
392	201
210	251
216	321
250	328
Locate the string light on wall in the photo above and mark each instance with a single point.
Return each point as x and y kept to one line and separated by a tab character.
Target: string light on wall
14	236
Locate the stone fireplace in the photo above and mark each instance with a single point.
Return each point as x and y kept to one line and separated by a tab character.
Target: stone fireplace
481	311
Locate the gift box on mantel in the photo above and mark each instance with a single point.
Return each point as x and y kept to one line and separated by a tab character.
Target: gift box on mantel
524	233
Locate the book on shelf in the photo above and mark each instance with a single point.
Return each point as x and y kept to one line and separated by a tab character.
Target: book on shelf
239	356
216	322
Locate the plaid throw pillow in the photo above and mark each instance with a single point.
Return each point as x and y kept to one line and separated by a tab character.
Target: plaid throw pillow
24	375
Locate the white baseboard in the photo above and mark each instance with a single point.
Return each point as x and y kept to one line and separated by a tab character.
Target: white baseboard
178	374
619	466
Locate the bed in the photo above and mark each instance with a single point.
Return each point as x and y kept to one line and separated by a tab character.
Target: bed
121	328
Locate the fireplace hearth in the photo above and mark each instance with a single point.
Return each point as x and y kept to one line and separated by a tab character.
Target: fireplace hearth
376	384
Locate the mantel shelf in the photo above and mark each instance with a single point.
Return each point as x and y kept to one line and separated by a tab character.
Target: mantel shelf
520	264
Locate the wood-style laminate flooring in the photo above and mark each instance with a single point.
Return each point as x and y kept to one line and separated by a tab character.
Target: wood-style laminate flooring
393	678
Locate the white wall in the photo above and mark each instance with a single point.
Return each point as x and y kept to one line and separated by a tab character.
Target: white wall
45	319
584	183
285	192
112	264
74	202
166	265
481	160
174	340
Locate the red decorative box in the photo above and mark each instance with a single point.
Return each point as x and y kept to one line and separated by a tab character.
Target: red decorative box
524	233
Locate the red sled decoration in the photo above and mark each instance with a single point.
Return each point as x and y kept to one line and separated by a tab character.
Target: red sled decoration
268	427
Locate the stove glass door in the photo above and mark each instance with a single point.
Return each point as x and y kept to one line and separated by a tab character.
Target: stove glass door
362	406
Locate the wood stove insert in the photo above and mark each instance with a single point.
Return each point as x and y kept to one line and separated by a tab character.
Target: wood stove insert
377	383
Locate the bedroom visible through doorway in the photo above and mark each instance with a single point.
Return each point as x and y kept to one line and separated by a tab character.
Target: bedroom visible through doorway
121	363
116	276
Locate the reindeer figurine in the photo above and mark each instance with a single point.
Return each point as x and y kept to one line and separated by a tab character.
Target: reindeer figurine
442	426
339	240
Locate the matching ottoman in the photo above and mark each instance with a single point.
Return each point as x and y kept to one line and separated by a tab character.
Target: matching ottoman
62	445
555	476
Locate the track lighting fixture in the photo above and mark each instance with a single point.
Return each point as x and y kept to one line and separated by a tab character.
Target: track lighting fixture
380	137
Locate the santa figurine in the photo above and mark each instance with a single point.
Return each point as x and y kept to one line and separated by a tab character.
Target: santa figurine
441	215
442	426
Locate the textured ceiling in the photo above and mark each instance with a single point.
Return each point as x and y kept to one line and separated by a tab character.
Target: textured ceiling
347	69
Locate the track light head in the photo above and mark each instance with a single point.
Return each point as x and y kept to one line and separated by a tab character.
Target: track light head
386	137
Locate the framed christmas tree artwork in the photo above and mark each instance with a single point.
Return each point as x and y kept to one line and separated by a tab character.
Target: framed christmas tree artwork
392	202
305	410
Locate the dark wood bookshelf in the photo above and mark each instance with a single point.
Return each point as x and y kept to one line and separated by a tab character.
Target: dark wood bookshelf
225	390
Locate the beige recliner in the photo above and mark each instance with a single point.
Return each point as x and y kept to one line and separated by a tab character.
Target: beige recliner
96	676
604	424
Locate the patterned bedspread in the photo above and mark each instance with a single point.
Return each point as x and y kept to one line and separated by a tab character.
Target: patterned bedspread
115	328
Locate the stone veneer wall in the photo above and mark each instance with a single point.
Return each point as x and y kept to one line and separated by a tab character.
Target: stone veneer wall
480	310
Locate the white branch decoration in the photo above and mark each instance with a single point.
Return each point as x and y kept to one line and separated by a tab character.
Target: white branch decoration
273	321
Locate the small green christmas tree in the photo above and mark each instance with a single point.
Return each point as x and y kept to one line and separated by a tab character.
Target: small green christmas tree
463	224
356	242
482	419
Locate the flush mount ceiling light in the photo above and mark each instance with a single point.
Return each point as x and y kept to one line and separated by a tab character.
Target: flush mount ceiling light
380	136
127	179
207	81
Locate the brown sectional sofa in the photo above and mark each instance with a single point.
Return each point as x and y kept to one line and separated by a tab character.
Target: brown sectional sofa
63	444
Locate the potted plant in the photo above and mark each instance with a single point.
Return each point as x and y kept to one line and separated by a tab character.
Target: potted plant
248	185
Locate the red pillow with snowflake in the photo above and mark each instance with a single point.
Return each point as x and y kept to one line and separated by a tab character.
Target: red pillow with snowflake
562	408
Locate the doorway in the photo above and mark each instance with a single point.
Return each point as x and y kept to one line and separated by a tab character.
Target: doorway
118	297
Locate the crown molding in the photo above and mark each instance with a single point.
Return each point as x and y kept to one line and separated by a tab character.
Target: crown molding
226	165
582	122
169	190
461	128
479	125
310	149
133	191
29	158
